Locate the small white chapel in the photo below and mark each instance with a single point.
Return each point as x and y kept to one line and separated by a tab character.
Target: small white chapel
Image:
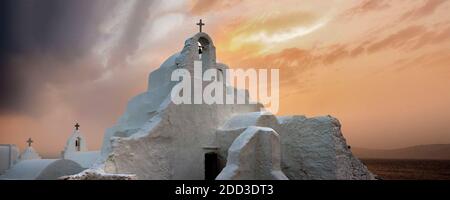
29	165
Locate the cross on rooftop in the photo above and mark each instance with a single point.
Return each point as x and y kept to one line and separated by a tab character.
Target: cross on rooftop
29	141
200	24
77	126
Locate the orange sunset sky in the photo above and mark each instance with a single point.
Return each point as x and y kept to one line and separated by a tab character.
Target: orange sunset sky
382	67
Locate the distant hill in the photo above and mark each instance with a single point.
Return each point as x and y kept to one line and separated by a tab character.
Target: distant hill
432	151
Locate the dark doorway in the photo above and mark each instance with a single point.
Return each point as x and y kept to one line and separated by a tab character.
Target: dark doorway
211	166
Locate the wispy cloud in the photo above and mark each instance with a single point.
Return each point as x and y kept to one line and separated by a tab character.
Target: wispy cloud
367	6
427	8
281	36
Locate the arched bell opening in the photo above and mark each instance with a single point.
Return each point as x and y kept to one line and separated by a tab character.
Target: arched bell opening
204	52
78	144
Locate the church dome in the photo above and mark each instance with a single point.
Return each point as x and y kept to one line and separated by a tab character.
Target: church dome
41	169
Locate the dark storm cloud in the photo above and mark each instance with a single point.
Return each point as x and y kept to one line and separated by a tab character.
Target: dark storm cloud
54	26
49	42
32	29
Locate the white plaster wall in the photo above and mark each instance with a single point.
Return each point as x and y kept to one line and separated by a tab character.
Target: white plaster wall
314	148
254	155
85	159
8	156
